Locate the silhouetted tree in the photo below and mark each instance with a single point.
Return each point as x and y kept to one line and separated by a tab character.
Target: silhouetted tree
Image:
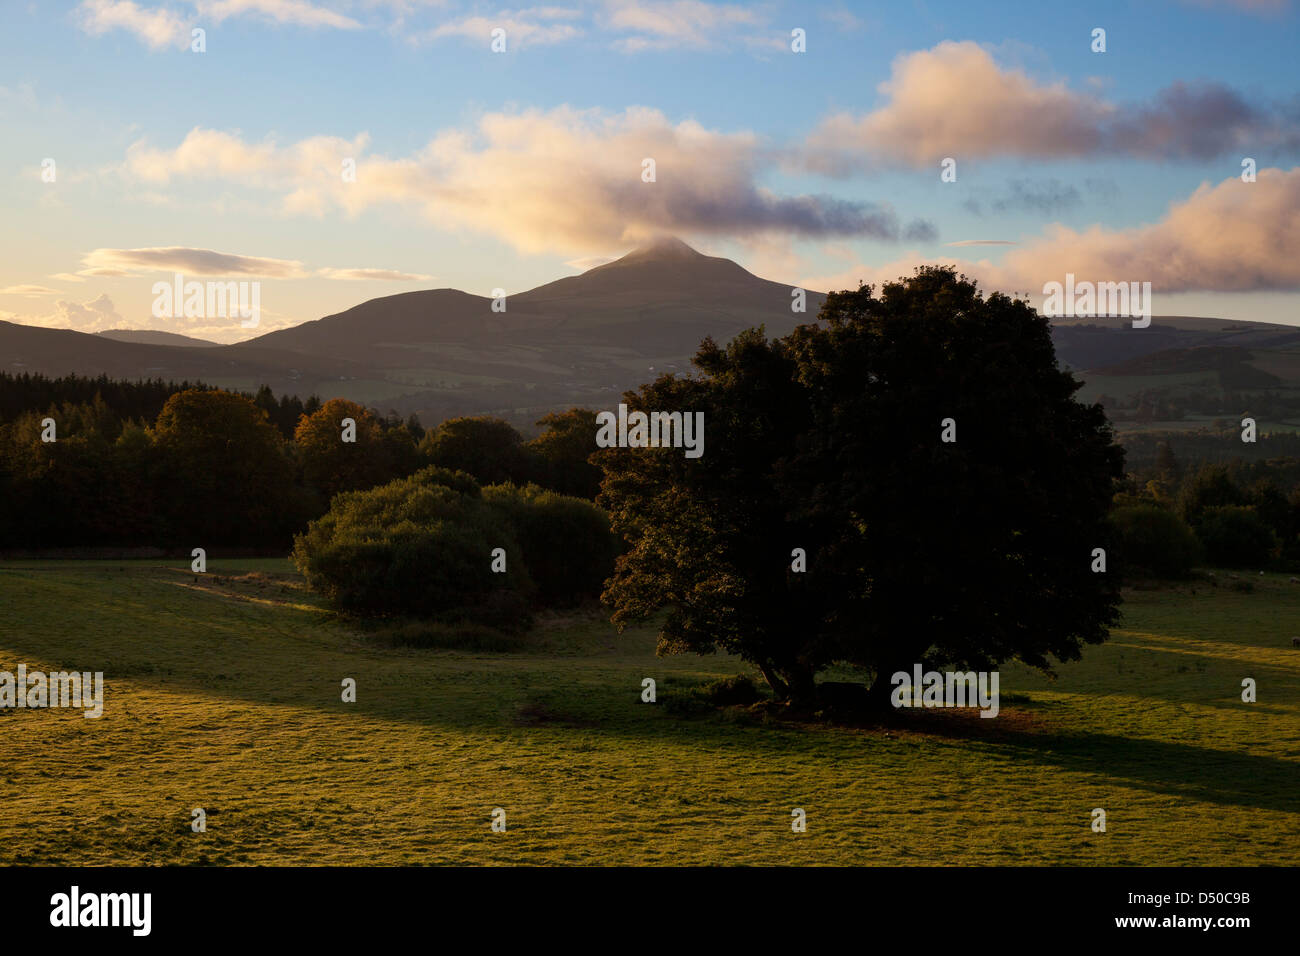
965	553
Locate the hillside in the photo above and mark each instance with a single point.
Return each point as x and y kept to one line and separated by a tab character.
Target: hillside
584	339
151	337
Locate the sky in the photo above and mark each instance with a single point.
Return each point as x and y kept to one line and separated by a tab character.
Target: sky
333	151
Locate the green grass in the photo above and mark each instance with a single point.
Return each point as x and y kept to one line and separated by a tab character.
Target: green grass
224	693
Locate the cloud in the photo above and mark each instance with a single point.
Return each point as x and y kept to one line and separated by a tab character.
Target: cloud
1233	237
99	315
563	179
1230	237
664	24
93	316
955	101
203	262
1047	197
209	154
28	290
524	27
589	262
372	275
158	27
982	242
67	277
299	12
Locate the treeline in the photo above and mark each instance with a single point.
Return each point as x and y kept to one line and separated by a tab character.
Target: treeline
1238	514
219	469
1216	444
141	401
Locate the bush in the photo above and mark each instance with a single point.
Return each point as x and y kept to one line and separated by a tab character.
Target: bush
417	546
567	544
1236	537
1152	540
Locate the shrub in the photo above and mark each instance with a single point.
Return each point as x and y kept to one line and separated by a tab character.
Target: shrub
1153	540
567	544
1236	537
417	546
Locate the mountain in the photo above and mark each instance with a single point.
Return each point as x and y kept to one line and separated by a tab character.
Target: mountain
660	299
25	348
149	337
1095	343
584	339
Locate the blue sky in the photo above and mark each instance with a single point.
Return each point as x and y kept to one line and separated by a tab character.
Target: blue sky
480	170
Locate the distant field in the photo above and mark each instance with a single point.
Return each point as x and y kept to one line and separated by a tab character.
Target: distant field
224	694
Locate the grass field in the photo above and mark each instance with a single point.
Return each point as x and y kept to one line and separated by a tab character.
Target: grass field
224	693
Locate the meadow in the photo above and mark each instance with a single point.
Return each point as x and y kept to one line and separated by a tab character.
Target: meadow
222	691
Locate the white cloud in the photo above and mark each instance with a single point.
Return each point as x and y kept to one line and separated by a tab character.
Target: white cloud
299	12
672	24
92	316
563	179
372	275
189	261
28	290
956	101
526	27
1230	237
158	27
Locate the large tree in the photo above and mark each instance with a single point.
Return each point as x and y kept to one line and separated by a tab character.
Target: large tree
228	478
330	464
830	440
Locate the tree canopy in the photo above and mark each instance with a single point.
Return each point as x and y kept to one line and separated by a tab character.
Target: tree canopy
831	440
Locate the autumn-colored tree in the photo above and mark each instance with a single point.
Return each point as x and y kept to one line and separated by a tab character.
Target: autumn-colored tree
330	463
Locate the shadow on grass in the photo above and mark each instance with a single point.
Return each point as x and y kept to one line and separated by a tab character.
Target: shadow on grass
285	657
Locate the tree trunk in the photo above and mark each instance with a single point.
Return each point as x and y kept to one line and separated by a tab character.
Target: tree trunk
803	685
882	687
779	687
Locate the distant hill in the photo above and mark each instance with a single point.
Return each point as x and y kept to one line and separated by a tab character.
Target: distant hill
1087	344
578	340
53	352
149	337
584	339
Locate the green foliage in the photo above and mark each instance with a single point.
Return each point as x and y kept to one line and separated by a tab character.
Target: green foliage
231	480
1210	486
416	546
563	451
488	448
1236	537
567	543
1152	540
